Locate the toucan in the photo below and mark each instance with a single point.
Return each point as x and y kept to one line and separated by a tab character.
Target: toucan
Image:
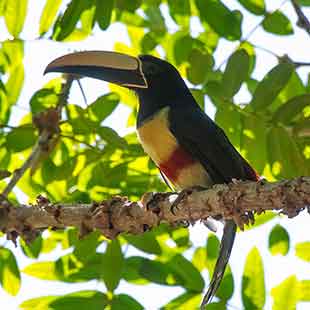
187	146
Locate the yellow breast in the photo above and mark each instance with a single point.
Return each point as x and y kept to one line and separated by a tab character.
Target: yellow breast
160	144
156	138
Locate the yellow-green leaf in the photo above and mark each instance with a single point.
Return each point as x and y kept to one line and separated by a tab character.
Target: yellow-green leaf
303	250
9	272
285	295
48	15
279	240
14	16
42	270
253	282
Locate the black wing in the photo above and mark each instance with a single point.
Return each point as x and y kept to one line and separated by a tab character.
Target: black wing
206	142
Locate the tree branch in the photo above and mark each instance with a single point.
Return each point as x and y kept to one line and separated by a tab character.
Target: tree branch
47	123
303	21
237	201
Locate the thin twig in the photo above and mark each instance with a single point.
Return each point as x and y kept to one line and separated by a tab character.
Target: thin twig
41	144
303	21
79	141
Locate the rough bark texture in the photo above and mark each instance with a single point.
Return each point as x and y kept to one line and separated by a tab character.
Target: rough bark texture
237	201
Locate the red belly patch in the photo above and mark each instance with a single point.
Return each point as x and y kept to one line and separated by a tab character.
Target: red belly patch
178	160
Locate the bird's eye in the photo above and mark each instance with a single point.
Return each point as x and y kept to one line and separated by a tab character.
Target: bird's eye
151	69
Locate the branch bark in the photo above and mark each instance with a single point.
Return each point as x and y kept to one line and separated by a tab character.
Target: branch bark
237	201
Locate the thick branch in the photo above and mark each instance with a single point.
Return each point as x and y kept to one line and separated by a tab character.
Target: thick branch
303	21
234	201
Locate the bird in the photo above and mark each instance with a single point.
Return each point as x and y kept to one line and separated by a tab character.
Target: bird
188	147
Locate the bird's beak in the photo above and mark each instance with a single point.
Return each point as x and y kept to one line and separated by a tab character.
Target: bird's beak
112	67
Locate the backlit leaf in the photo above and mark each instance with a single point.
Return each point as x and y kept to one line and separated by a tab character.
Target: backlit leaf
292	108
113	256
284	156
123	301
146	242
253	282
256	7
236	72
278	23
279	241
9	272
268	89
104	12
48	15
82	300
303	250
285	295
225	22
14	16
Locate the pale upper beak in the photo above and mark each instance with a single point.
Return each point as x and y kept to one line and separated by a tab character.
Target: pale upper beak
112	67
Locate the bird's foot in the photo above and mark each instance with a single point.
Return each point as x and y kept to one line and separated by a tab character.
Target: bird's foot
182	195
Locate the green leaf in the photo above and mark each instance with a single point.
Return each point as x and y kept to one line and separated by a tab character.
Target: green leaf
278	23
292	108
103	106
182	268
200	65
20	138
236	72
104	11
111	137
48	15
86	247
279	241
253	282
113	263
146	243
82	300
123	301
33	248
304	2
187	300
14	16
303	250
285	158
285	295
42	270
9	272
66	24
158	272
226	288
225	22
180	11
269	88
199	97
42	100
130	6
131	270
256	7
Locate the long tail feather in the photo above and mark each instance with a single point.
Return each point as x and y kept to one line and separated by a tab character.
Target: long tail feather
222	260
